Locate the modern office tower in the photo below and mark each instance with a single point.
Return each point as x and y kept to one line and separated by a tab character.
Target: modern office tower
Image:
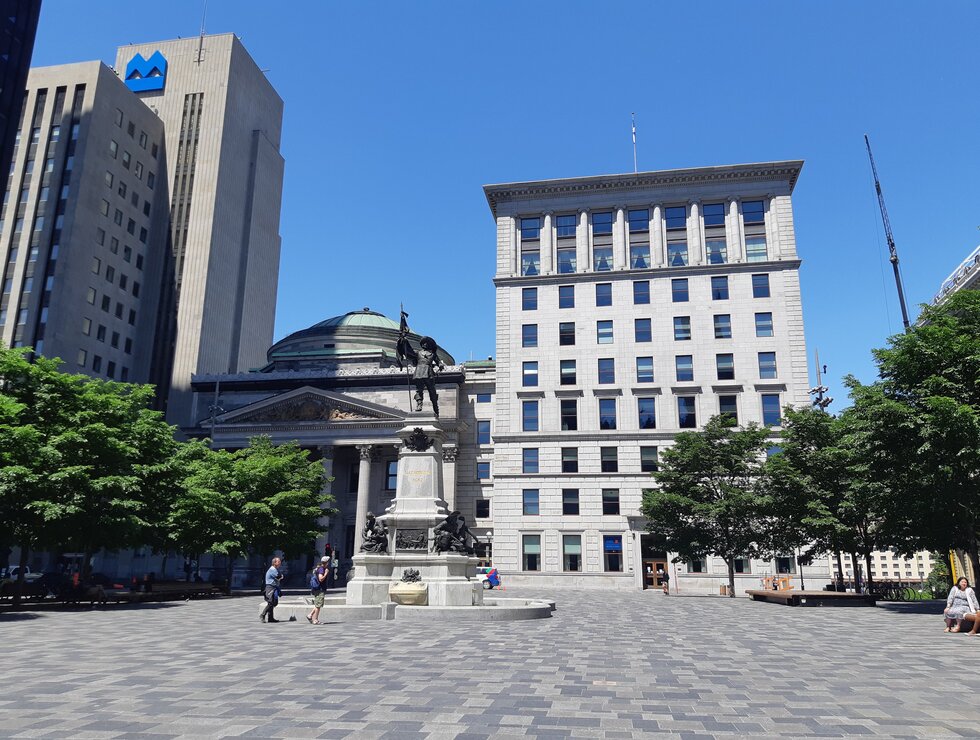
83	225
630	308
222	120
18	26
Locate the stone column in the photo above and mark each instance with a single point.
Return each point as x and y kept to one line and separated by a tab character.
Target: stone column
733	234
363	493
619	239
547	249
515	247
772	228
449	453
326	460
583	262
657	256
695	242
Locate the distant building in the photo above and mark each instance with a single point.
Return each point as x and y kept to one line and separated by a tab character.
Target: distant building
887	565
965	277
18	27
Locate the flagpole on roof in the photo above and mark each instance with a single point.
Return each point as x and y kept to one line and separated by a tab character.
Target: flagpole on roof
633	119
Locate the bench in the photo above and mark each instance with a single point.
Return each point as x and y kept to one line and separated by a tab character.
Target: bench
812	598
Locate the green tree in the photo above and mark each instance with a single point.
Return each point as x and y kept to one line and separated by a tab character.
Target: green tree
708	498
939	580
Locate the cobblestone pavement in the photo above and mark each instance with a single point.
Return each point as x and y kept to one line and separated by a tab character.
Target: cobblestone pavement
606	665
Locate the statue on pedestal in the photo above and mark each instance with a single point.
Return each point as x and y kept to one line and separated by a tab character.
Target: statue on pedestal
452	535
374	538
427	365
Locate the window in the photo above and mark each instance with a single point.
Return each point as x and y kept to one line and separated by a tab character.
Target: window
126	159
684	365
569	501
483	508
114	340
151	178
678	290
742	565
113	149
391	475
714	233
483	432
530	502
608	460
639	221
529	458
787	564
602	257
686	413
607	370
676	217
86	326
531	551
607	413
566	258
117	217
648	460
755	249
753	212
612	551
566	296
96	265
138	170
114	245
122	281
719	288
682	328
132	317
642	330
529	335
97	363
89	295
647	408
697	566
641	292
571	548
131	129
483	470
725	365
644	369
103	208
603	294
566	333
100	237
82	358
763	324
676	220
677	253
143	139
529	416
110	273
100	333
122	189
106	303
530	371
530	246
565	225
770	409
483	398
728	406
760	286
568	408
723	326
529	299
128	346
767	365
569	459
717	251
131	227
119	117
639	238
567	374
144	234
604	332
714	214
108	179
754	221
610	501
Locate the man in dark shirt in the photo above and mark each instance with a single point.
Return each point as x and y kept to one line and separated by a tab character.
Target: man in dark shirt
271	592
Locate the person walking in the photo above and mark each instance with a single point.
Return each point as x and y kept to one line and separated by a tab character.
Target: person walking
962	600
273	577
665	578
318	587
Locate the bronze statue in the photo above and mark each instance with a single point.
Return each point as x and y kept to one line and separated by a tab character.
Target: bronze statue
452	535
427	365
374	538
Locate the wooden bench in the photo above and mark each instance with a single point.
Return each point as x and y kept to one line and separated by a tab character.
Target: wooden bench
812	598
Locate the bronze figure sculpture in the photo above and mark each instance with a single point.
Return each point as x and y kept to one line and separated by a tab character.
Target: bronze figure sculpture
427	365
452	535
374	538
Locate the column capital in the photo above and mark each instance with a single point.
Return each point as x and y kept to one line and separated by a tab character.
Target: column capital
770	196
733	199
449	453
549	213
694	202
621	208
657	204
367	452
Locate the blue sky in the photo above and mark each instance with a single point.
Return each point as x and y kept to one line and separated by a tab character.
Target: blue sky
397	113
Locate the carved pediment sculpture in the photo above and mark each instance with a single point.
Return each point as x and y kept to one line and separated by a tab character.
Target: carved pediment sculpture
303	409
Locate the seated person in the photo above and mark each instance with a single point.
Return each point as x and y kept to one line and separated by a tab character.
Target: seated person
962	600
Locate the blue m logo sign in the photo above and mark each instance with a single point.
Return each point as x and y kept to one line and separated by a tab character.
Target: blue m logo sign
146	74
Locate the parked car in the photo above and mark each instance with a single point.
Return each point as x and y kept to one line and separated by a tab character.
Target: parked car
11	573
489	576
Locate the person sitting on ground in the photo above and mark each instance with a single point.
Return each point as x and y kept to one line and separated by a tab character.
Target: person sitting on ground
318	587
962	600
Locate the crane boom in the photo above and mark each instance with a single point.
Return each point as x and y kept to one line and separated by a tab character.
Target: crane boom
892	251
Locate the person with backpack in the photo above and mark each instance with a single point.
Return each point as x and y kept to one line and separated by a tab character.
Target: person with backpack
318	587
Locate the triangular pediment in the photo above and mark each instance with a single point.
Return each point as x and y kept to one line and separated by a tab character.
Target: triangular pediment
309	404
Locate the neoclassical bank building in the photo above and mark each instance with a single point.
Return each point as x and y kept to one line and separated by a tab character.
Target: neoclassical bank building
629	308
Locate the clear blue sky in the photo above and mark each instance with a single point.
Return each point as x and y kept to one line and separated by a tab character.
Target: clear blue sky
397	113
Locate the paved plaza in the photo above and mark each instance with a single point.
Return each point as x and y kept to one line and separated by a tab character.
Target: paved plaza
605	665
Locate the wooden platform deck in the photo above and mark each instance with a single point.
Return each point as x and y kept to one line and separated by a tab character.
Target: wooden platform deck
812	598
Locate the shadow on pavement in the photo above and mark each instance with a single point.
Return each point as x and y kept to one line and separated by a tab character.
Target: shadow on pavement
18	616
933	606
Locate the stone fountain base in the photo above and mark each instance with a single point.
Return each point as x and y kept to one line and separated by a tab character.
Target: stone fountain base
450	578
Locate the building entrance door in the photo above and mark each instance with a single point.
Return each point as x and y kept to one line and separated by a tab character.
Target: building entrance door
651	577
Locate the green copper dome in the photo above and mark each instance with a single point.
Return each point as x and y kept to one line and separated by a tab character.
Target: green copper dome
364	317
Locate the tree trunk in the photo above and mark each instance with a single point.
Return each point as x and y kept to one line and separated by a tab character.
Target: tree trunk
867	576
163	566
731	578
86	570
19	586
229	569
840	571
857	573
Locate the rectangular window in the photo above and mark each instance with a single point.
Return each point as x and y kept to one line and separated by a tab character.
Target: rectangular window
678	290
644	369
647	408
677	253
114	340
567	374
641	292
103	208
97	363
760	286
113	149
566	296
687	417
742	565
566	259
108	179
110	273
86	326
529	416
770	409
602	257
728	406
106	303
565	225
118	117
96	265
531	551
569	414
483	508
684	365
571	548
81	358
754	221
610	501
529	460
682	328
612	552
529	335
767	365
391	475
529	299
639	256
530	246
639	238
753	212
639	220
604	332
530	502
122	190
717	251
723	326
569	501
530	372
642	330
602	225
566	333
607	413
603	294
126	159
676	217
714	214
763	324
483	470
483	398
100	333
569	459
483	432
89	295
607	370
755	249
719	288
648	460
725	366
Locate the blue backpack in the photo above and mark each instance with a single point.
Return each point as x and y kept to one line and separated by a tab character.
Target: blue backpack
315	584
